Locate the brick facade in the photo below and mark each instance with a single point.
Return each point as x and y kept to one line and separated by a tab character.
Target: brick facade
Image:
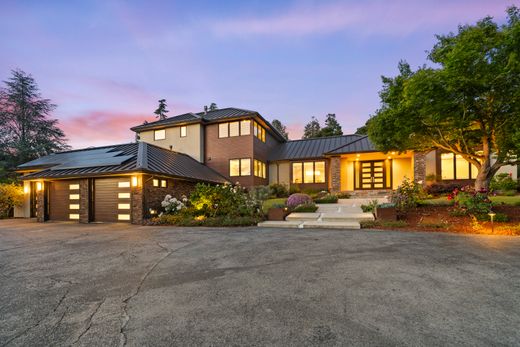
84	201
335	174
419	167
40	205
155	195
137	212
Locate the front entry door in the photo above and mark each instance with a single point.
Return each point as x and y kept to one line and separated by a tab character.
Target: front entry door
372	174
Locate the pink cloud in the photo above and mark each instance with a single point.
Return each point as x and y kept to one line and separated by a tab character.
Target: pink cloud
367	18
97	128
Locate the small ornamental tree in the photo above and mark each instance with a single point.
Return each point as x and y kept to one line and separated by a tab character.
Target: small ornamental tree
467	104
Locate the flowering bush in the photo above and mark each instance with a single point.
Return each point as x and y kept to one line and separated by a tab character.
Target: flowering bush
11	195
173	205
407	195
223	200
298	199
469	201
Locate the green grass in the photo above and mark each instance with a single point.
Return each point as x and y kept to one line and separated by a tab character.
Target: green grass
508	200
443	201
270	202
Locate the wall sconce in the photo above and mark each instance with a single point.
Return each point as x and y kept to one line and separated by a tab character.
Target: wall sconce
26	189
134	181
39	186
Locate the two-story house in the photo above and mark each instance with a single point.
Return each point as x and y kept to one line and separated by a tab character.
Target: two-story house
126	183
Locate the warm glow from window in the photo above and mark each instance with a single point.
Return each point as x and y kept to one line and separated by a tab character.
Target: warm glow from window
123	217
234	129
447	168
74	196
74	207
234	167
223	130
123	195
245	167
245	127
461	168
297	169
155	182
164	183
159	134
240	167
319	172
308	170
123	206
184	131
124	184
73	186
74	216
259	169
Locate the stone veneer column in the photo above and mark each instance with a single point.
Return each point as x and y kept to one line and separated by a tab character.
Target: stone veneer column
84	201
335	174
419	167
138	202
40	205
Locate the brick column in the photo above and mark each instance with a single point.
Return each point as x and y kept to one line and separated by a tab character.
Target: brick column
138	202
40	205
419	167
84	201
335	174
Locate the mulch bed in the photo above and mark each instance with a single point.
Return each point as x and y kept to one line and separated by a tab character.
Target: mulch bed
439	219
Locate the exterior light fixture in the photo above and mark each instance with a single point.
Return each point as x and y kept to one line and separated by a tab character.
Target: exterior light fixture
389	157
26	189
492	216
358	155
39	186
393	153
134	181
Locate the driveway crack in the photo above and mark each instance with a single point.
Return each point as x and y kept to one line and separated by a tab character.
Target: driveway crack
89	322
125	316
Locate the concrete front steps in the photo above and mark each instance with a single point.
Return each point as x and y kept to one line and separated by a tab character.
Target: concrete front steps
328	216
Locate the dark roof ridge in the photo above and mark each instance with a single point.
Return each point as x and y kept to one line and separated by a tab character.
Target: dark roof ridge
348	144
329	137
92	148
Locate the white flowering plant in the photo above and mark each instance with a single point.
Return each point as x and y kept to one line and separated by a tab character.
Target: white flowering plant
173	205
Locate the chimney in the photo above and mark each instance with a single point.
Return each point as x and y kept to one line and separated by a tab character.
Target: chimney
205	109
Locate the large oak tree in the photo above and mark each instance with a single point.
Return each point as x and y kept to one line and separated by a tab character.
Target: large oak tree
467	102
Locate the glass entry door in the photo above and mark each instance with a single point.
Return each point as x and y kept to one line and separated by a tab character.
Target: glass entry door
372	174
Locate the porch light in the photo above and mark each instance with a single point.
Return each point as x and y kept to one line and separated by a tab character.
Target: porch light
39	186
134	181
26	189
393	153
389	157
358	155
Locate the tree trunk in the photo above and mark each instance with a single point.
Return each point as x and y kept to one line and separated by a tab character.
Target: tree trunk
485	174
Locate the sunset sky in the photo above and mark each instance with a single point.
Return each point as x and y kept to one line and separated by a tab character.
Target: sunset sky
106	63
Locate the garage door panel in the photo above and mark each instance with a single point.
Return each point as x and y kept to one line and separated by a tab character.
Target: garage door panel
64	200
107	203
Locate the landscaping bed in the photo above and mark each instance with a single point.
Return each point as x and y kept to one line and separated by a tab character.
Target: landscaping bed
441	219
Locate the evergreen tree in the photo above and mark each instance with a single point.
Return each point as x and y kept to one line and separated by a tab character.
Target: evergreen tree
282	129
312	129
213	107
161	110
26	129
332	127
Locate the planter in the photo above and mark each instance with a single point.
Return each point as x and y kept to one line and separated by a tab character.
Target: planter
277	213
386	213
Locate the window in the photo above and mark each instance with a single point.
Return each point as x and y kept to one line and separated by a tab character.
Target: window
123	184
234	129
155	182
74	196
259	169
455	167
223	130
240	167
123	217
123	195
123	206
73	186
73	216
308	172
159	134
245	127
74	207
164	183
184	131
259	131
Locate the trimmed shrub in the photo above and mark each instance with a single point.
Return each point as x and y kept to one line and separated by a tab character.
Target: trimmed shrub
307	207
503	182
370	207
278	190
298	199
326	199
190	221
440	188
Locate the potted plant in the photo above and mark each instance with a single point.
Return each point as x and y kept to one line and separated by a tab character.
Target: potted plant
277	212
386	212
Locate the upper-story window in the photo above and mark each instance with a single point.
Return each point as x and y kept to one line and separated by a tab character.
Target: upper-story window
308	172
159	134
240	167
232	129
259	131
260	169
184	131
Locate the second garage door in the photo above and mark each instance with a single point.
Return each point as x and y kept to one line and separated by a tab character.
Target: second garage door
64	200
112	199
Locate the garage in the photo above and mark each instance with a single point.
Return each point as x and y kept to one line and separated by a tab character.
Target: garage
64	200
112	199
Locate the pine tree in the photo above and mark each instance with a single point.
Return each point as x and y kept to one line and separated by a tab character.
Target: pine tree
312	129
332	127
282	129
213	107
161	110
26	129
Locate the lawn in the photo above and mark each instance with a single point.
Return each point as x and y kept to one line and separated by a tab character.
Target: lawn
270	202
443	201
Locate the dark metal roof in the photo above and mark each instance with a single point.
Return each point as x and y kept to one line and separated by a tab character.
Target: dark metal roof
362	144
140	157
310	148
207	117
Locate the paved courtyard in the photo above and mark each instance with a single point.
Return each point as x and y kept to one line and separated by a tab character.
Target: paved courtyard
109	285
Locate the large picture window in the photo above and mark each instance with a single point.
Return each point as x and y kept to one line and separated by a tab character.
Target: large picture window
259	131
159	134
308	172
240	167
455	167
232	129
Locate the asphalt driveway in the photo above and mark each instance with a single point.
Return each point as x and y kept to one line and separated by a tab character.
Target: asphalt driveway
109	285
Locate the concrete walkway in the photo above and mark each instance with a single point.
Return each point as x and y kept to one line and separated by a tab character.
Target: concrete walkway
346	214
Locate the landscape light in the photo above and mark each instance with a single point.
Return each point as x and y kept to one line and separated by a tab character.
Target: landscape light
492	216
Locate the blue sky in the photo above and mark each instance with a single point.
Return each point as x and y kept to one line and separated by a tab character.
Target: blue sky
106	63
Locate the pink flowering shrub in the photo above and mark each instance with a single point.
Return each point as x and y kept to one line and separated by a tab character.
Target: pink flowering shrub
298	199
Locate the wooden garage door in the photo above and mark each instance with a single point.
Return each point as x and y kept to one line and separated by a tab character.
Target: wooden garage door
64	200
112	199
